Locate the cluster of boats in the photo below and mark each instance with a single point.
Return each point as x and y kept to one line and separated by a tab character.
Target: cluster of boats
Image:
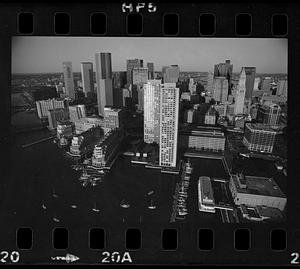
77	167
86	178
73	206
125	204
181	192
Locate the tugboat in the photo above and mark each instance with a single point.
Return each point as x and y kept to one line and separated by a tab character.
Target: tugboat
152	206
124	204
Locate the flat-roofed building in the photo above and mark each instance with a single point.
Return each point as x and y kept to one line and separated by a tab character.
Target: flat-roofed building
203	138
87	75
69	79
256	191
77	112
84	124
113	118
269	113
206	201
44	105
55	115
259	137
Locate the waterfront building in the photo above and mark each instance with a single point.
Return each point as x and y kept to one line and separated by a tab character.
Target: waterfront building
282	88
259	137
220	89
250	78
86	123
202	138
77	112
68	79
152	90
113	119
87	76
210	116
107	148
132	63
169	109
150	67
104	81
57	114
44	105
240	94
224	70
84	143
206	201
64	129
256	191
170	74
269	113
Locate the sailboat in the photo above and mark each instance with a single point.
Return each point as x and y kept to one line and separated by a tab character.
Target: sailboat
152	206
124	204
55	218
95	209
54	194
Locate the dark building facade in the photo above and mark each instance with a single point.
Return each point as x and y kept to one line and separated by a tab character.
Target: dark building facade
250	79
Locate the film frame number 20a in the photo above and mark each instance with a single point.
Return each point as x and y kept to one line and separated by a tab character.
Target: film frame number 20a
149	133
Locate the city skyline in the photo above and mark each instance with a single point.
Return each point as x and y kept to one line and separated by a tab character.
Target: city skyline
199	55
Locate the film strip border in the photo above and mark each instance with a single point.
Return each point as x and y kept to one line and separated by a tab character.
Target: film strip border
149	19
169	20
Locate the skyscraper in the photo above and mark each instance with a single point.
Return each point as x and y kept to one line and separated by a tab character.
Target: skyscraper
220	90
139	75
150	67
169	107
104	81
210	82
224	70
132	63
250	78
152	90
87	75
170	73
269	113
240	94
282	87
68	79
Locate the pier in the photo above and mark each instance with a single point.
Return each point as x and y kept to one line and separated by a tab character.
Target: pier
39	141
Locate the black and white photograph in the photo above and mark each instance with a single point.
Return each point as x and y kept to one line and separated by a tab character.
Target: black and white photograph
148	130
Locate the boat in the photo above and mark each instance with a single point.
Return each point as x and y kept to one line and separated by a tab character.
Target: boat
182	213
84	183
246	155
84	176
128	153
150	192
44	207
152	206
101	172
284	171
55	218
95	209
74	206
124	204
54	195
278	166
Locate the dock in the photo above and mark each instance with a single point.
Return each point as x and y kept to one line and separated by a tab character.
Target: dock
38	141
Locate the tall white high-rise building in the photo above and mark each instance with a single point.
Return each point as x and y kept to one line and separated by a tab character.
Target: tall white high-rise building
240	94
169	107
104	81
256	83
87	77
68	79
210	82
152	90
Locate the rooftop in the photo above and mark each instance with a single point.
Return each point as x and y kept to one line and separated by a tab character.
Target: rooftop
257	186
260	126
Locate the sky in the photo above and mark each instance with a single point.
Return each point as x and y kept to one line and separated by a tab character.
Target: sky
46	54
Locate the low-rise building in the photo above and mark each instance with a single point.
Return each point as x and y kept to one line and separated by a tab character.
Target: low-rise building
84	124
256	191
106	149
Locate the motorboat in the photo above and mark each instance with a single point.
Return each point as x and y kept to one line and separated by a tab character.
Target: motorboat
101	172
44	207
74	206
124	204
150	192
54	195
84	184
55	219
